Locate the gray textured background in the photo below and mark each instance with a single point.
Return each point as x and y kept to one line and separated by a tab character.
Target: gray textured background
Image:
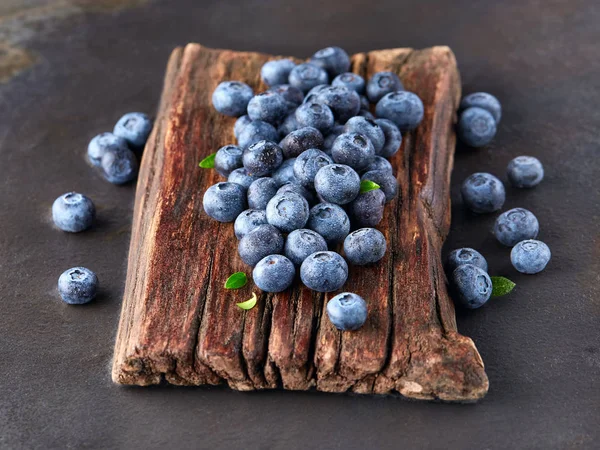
71	68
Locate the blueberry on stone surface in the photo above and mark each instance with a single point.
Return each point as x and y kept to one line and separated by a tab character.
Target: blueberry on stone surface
78	285
315	115
302	243
330	221
285	172
274	273
465	255
525	172
364	246
240	176
380	163
134	127
268	106
515	225
262	158
119	165
288	211
386	180
350	80
249	220
343	102
73	212
393	138
227	159
308	164
224	201
324	271
337	183
383	83
276	72
261	191
482	100
334	60
368	128
476	127
403	108
262	241
530	256
347	311
367	209
255	131
240	124
306	76
101	143
483	193
472	286
231	98
301	140
353	149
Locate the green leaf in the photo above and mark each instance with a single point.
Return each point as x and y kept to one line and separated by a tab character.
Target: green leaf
249	304
208	162
501	286
368	185
236	281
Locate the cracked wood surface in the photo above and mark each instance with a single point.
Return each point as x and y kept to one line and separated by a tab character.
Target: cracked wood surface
178	323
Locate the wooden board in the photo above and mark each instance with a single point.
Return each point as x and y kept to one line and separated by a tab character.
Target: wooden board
178	323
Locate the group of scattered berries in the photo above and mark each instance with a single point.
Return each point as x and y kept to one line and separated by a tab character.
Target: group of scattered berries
310	174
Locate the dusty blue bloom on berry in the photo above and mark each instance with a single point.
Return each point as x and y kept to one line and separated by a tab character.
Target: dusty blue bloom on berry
383	83
78	285
393	138
530	256
227	159
472	286
403	108
249	220
324	271
135	128
276	72
367	209
262	241
288	125
525	172
368	128
240	176
333	59
240	124
483	193
350	80
285	172
353	149
308	164
482	100
364	246
347	311
315	115
73	212
297	188
380	163
255	131
274	273
330	221
302	243
224	201
269	107
288	211
386	180
343	102
301	140
262	158
231	98
306	76
516	225
337	183
119	165
101	143
260	192
463	256
476	127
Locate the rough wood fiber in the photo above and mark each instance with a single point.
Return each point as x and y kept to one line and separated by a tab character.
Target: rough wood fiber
180	325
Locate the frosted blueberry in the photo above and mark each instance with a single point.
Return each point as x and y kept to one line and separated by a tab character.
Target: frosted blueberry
78	285
288	211
224	201
262	241
516	225
274	273
231	98
73	212
483	193
530	256
364	246
324	271
330	221
347	311
302	243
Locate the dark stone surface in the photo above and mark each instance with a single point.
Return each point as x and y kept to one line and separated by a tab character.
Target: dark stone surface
541	345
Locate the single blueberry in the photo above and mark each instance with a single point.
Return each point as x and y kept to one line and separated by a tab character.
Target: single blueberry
331	137
364	246
285	172
135	128
262	241
333	59
347	311
483	193
311	96
288	211
368	128
227	159
393	138
383	83
301	140
482	100
240	124
78	285
224	201
288	125
255	131
306	76
380	163
472	286
249	220
260	192
386	180
308	164
516	225
262	158
302	243
100	144
315	115
530	256
367	209
353	149
465	255
403	108
476	127
297	188
324	271
276	72
274	273
337	183
242	177
330	221
525	172
119	165
231	98
343	102
73	212
269	107
351	81
292	96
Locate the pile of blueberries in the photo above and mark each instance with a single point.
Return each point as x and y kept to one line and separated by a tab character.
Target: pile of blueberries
309	172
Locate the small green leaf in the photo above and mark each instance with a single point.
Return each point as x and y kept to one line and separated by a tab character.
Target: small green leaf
236	281
249	304
368	185
501	286
208	162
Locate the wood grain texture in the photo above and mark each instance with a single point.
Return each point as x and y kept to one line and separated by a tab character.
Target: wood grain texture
178	323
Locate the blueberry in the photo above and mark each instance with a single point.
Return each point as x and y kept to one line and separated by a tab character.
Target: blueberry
347	311
330	221
386	180
240	176
276	72
249	220
516	225
383	83
306	76
231	98
403	108
224	201
262	158
324	271
343	102
530	256
351	81
302	243
293	96
262	241
255	131
260	192
368	128
354	150
525	172
288	211
465	255
274	273
380	163
393	138
240	124
333	59
472	285
269	107
78	285
73	212
337	183
476	127
301	140
364	102
315	115
134	127
311	96
366	114
119	165
100	144
227	159
308	164
485	101
285	172
332	136
367	209
364	246
288	125
297	188
483	193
